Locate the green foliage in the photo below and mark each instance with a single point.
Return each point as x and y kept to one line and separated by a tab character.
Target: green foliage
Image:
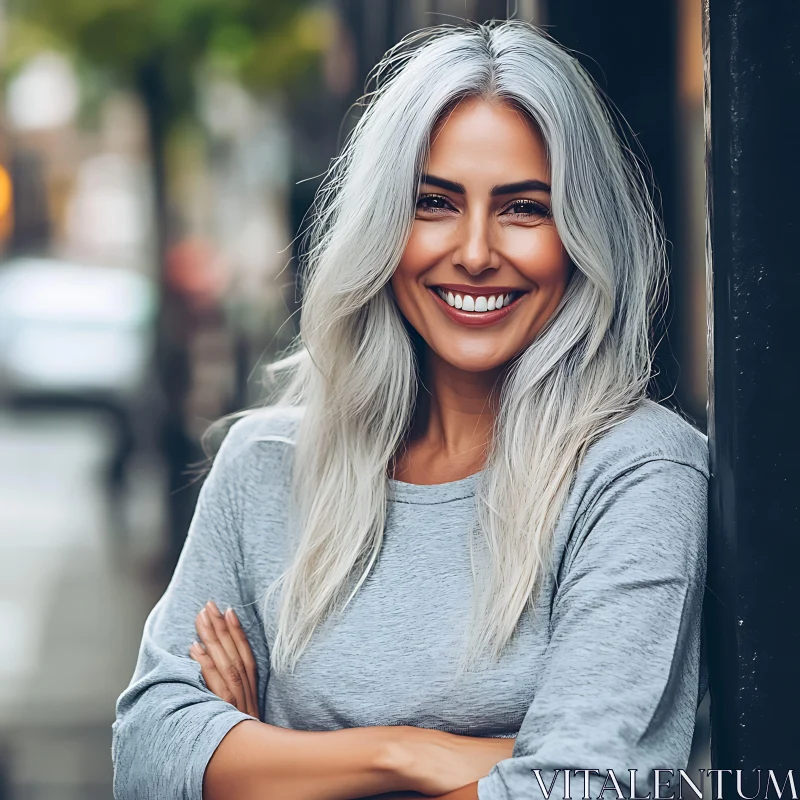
24	40
265	43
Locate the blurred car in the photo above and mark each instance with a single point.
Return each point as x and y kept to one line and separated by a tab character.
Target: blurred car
71	333
81	336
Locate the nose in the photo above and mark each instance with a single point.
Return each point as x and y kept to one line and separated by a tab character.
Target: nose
475	251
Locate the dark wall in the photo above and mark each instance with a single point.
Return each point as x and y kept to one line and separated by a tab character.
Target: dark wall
630	49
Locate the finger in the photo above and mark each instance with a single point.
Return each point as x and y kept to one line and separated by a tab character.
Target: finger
238	668
245	651
218	655
208	636
213	680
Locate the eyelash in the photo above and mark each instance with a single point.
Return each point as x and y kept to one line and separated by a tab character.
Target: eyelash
539	209
424	197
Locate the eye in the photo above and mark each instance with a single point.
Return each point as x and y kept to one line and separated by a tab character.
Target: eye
433	203
527	208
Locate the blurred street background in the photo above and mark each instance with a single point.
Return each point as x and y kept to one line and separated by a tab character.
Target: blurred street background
157	158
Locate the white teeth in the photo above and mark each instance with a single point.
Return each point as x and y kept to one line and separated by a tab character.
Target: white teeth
475	305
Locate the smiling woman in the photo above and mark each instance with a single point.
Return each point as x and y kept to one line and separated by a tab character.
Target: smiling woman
484	224
483	269
465	551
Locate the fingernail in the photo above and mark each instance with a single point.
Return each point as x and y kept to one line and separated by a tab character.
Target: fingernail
214	609
204	617
231	614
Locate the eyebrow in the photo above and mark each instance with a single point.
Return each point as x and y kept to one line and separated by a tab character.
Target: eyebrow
506	188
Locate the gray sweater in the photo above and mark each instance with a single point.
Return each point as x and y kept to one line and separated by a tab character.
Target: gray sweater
606	676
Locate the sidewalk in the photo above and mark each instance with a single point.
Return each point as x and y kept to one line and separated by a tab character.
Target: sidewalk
71	608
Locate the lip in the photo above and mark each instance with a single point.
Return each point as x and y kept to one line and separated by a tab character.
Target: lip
470	317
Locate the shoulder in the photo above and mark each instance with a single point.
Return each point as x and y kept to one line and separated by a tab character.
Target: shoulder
652	436
651	432
268	424
257	443
642	489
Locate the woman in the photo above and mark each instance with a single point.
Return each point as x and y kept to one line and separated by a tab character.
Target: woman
483	547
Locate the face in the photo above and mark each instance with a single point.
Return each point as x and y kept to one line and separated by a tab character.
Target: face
484	267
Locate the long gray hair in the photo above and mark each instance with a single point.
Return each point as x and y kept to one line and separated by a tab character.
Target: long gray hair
354	366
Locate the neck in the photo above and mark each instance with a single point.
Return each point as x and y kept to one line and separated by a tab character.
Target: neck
457	410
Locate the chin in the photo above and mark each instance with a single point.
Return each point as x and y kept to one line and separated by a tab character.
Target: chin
472	362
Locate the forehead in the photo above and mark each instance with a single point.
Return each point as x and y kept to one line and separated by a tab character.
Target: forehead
491	139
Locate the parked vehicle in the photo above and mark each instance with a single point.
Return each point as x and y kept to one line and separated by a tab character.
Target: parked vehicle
73	335
77	333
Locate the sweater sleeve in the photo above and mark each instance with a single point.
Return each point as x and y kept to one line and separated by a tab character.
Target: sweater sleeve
620	685
168	724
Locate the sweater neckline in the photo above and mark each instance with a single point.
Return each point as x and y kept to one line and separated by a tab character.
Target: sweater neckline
433	493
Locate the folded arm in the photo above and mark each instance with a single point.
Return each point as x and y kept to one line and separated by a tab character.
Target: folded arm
175	738
620	685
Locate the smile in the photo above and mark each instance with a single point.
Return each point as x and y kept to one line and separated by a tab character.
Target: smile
474	309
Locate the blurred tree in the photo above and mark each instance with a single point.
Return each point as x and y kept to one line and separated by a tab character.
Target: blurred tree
157	48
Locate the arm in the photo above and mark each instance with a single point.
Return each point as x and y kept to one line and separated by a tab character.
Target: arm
620	686
174	738
469	792
263	761
346	764
464	793
429	760
168	723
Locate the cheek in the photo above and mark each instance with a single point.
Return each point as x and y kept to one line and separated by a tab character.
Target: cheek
412	264
539	256
427	244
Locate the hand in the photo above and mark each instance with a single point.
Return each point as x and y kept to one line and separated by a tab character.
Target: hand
225	658
436	763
